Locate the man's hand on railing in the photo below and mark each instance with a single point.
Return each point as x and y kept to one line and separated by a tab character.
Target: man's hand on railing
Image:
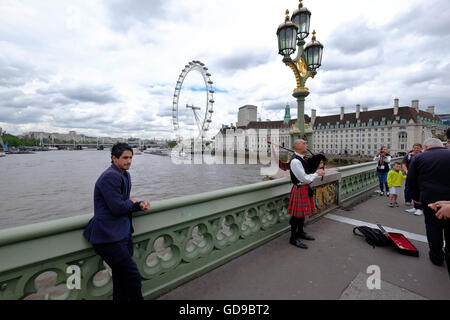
145	205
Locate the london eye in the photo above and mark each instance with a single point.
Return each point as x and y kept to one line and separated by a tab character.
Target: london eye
200	115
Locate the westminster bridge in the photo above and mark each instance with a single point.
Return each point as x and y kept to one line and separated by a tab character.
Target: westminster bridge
233	244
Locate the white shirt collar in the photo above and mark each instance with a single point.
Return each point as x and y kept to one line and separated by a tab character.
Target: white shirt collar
301	155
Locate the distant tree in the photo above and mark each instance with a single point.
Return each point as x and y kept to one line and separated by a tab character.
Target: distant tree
12	141
172	144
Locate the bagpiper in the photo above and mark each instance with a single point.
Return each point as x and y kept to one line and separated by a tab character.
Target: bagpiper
301	201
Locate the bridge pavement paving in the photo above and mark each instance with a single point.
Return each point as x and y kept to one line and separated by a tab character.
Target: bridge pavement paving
334	266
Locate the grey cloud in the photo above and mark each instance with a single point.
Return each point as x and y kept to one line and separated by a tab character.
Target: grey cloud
96	95
439	75
277	106
336	81
19	100
165	113
333	60
125	13
355	37
16	73
110	124
85	93
26	115
243	61
428	18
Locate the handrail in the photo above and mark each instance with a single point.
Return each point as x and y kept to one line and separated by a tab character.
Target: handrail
42	229
364	164
176	240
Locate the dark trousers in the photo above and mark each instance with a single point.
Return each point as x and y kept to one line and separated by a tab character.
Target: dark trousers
408	197
437	230
296	226
382	178
125	274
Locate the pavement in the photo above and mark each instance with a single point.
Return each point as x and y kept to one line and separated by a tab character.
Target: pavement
337	266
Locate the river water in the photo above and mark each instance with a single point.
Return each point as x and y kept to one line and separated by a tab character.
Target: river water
57	184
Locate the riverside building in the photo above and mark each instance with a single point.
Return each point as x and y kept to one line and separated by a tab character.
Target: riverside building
361	133
364	132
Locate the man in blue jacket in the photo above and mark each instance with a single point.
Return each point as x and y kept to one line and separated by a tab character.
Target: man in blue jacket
109	231
429	181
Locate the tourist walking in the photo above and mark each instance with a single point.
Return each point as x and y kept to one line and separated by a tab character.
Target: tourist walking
383	159
301	201
109	231
417	209
429	182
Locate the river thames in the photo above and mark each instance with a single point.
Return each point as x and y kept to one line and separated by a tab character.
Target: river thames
58	184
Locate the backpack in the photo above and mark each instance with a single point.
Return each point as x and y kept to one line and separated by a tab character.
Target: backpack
374	237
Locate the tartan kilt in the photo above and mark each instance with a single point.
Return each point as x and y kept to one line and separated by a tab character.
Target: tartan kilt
300	203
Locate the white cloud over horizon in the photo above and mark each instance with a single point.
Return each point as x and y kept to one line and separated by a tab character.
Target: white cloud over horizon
109	68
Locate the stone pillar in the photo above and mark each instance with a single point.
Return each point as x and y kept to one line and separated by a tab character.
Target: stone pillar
342	113
358	107
430	109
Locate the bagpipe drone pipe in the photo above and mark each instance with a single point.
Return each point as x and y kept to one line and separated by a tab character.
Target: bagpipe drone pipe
315	161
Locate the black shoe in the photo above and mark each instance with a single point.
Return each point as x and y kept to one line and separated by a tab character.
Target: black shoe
447	261
298	243
305	236
436	261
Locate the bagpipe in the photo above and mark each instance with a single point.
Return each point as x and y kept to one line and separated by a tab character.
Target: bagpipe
315	161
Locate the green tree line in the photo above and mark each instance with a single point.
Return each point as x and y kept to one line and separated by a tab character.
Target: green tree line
14	141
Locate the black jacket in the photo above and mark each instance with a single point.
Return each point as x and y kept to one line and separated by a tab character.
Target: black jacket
429	175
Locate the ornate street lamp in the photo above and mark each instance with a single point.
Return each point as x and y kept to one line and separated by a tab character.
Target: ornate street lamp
313	53
305	64
287	34
301	17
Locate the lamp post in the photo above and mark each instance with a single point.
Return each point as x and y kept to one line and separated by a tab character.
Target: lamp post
291	37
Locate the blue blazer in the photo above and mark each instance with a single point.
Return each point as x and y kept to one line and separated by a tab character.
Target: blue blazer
112	208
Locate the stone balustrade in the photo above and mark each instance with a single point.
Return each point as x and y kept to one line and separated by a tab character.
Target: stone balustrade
177	240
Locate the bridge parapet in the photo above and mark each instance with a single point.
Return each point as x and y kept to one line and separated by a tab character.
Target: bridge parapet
357	179
179	239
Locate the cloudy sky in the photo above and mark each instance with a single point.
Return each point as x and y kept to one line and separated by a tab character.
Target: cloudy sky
109	67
